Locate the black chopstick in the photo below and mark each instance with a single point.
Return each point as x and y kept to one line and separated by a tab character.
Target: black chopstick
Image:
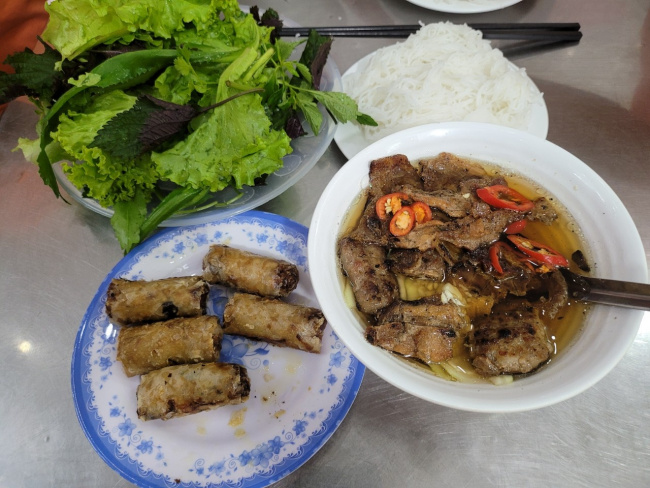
527	48
553	26
523	31
550	26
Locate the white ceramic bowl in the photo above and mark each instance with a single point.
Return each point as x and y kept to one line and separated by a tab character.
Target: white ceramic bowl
609	331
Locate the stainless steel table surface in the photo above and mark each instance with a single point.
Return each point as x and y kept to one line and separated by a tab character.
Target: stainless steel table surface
53	257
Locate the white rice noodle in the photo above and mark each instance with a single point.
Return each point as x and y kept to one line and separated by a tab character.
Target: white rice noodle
444	72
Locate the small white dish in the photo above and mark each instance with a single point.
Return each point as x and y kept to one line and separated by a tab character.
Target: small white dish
464	6
606	225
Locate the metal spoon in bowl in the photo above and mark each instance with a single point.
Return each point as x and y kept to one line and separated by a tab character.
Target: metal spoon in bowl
609	292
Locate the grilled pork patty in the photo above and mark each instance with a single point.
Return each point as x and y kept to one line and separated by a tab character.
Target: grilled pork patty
374	286
509	343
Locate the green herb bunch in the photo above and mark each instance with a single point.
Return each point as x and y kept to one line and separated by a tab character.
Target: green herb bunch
194	93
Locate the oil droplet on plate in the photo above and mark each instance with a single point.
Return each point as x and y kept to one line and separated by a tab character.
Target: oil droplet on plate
237	418
292	368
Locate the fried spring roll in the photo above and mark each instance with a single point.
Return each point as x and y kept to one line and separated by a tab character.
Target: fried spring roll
177	341
249	272
184	389
274	321
132	302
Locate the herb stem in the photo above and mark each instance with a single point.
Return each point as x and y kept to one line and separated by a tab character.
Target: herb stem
214	204
259	64
178	199
226	100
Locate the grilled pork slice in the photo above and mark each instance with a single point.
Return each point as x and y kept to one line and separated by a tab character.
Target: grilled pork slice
423	237
473	184
426	311
447	171
509	343
471	233
374	286
557	293
449	252
452	203
386	174
547	293
468	232
428	344
418	264
370	228
474	280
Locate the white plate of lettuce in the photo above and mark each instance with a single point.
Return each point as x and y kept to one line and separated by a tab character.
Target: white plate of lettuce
172	112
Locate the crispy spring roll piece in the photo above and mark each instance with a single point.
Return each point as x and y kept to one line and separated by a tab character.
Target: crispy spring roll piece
274	321
249	272
132	302
182	340
184	389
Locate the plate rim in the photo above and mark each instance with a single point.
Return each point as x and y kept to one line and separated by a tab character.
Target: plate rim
98	441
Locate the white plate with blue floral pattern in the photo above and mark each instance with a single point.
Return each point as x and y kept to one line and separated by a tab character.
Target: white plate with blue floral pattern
297	399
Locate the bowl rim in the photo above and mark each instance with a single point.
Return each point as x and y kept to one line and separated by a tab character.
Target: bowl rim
569	373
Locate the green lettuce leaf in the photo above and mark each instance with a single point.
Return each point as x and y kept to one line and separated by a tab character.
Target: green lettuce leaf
107	179
128	218
233	145
78	25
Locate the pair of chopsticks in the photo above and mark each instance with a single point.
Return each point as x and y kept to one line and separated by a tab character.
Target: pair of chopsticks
552	32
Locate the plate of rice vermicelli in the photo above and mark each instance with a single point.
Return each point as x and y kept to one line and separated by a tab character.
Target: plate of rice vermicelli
443	73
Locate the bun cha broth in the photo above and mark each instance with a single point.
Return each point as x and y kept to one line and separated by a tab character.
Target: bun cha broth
454	265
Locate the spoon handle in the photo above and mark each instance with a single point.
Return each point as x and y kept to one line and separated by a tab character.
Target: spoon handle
609	292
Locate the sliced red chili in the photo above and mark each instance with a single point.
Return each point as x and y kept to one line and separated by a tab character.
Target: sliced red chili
501	196
495	254
402	222
422	212
516	227
389	204
538	252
